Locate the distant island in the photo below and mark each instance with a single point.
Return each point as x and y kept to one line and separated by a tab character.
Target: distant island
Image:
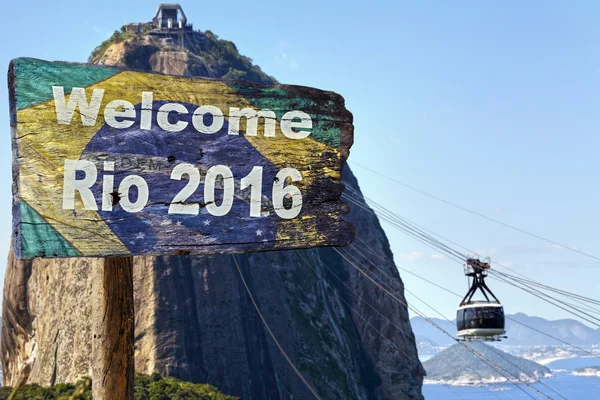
532	344
458	366
587	371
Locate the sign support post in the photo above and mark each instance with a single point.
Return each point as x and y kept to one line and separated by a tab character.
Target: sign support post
113	367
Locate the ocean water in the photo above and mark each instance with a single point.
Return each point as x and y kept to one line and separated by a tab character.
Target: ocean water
569	386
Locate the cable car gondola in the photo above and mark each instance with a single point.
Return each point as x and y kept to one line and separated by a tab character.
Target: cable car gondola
479	320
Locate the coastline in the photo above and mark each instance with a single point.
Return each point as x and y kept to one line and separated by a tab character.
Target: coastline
464	381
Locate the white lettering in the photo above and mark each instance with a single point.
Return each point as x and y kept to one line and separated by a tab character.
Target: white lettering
121	114
209	190
71	184
119	109
252	117
146	114
288	124
142	195
89	112
108	186
217	122
163	117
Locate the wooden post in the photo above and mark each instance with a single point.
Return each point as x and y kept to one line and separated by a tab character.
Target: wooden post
113	369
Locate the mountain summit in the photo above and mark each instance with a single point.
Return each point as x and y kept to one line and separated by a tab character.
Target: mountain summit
177	51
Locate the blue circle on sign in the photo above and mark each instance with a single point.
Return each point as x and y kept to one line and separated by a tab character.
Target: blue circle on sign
152	154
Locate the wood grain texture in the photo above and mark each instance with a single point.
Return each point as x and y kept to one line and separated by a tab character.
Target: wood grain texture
44	228
113	368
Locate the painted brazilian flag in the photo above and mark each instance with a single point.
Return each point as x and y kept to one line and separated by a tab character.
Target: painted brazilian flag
101	170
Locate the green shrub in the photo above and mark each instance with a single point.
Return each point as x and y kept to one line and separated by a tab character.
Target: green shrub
220	56
146	387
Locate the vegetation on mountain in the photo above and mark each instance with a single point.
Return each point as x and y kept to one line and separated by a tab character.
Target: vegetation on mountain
147	387
220	56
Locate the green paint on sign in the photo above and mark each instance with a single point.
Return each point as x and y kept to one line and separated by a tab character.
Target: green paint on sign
36	78
39	238
325	127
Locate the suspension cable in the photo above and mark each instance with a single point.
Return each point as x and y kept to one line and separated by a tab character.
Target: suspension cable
358	296
366	249
307	262
477	213
420	239
556	290
434	243
544	297
444	317
415	310
308	385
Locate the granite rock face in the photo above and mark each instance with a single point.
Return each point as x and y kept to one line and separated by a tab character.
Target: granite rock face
195	320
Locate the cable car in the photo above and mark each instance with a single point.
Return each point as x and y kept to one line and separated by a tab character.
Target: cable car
476	319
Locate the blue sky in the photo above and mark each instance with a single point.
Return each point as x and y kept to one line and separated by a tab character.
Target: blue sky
491	106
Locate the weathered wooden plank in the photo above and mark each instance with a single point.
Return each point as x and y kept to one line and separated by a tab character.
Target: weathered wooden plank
113	367
113	162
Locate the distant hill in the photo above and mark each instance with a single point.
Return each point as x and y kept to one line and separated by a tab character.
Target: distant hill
569	330
426	346
423	329
458	365
587	371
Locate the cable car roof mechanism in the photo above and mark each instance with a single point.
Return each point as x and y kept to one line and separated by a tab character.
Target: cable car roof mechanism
479	319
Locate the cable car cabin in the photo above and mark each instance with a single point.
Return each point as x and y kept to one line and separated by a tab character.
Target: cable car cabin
480	320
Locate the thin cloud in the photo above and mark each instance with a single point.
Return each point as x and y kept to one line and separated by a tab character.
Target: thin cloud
288	56
564	248
412	256
492	251
100	31
548	249
395	140
507	264
437	257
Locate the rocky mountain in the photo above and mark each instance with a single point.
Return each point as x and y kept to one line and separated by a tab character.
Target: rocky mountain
568	330
194	319
457	365
195	54
518	331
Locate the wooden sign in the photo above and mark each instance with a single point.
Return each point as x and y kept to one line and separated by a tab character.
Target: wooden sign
110	162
